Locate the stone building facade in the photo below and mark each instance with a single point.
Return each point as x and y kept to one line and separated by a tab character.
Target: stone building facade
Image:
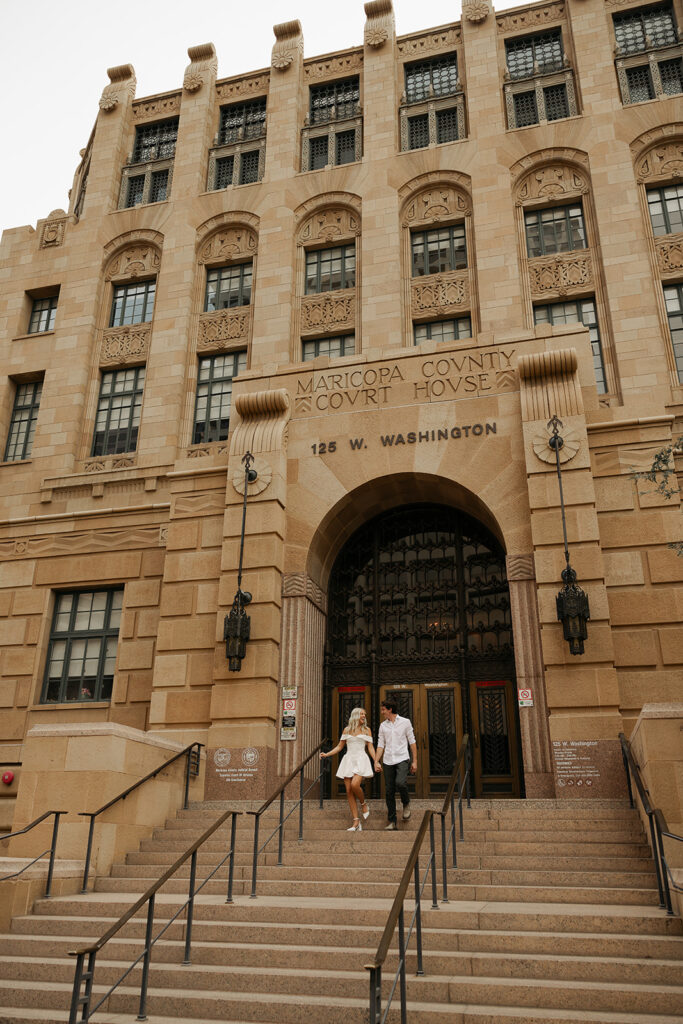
381	272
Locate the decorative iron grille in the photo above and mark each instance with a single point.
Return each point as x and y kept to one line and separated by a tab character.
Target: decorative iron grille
418	131
447	125
636	31
556	104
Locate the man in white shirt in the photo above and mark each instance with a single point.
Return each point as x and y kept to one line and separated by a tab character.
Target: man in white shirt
395	737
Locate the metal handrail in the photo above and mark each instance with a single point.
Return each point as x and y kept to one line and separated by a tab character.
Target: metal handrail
81	1000
659	828
464	759
191	752
396	917
280	791
51	849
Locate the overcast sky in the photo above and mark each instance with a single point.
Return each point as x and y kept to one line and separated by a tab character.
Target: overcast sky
54	55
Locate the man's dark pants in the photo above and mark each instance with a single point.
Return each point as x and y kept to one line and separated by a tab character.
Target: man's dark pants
395	778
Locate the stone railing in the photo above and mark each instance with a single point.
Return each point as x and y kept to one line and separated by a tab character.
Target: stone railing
670	254
217	330
440	294
124	345
562	274
330	311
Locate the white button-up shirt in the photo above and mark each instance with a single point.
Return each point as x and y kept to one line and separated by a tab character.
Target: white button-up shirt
395	737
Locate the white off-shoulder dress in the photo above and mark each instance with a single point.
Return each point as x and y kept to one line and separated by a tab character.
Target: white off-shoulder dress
355	761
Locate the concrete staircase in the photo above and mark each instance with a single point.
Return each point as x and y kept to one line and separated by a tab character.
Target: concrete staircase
552	917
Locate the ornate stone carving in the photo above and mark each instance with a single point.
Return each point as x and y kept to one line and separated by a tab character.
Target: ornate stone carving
520	567
531	17
664	161
84	542
203	451
551	181
289	41
121	81
162	106
300	584
435	203
441	293
133	261
231	243
219	329
263	422
234	88
122	345
429	42
334	66
476	10
549	384
670	253
265	475
203	66
563	273
328	312
380	23
54	229
99	465
329	224
545	453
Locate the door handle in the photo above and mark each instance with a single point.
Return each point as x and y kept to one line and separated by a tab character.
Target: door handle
476	738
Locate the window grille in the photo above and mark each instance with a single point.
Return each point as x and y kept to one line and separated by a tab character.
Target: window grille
636	31
557	229
580	312
673	298
418	131
135	191
342	345
439	250
43	313
534	55
155	141
242	121
22	425
639	84
132	303
318	153
214	396
82	651
228	287
446	125
225	167
526	111
671	74
330	269
249	167
556	105
334	101
118	412
159	189
437	77
443	330
345	147
666	209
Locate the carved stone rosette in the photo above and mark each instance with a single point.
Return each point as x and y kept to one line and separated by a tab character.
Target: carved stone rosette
332	311
124	345
563	274
289	41
121	81
380	25
476	11
221	328
670	254
440	294
203	66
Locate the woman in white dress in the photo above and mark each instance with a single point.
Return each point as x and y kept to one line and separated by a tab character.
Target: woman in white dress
355	764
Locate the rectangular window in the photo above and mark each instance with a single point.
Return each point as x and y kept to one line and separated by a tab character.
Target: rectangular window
242	121
534	55
82	652
135	191
345	147
227	287
225	168
118	412
673	297
343	345
159	190
636	31
23	422
43	313
639	84
155	141
666	209
526	110
334	101
446	125
556	103
132	304
438	251
214	396
330	269
317	153
580	312
557	229
671	74
249	167
418	131
443	330
428	78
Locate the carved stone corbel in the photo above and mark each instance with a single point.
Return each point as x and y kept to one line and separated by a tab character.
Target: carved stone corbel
289	41
121	81
380	25
202	68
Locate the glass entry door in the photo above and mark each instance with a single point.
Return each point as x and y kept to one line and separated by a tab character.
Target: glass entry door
434	709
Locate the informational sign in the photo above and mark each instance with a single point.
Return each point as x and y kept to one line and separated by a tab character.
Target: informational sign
288	692
526	698
575	763
236	766
288	722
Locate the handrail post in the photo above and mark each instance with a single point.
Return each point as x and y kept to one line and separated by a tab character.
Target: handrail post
655	853
78	1000
301	805
186	796
231	869
88	853
418	917
281	838
435	901
665	878
145	961
53	850
455	855
402	968
444	866
190	910
255	857
375	995
468	776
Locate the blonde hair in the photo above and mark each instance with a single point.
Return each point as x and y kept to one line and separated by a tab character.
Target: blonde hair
354	727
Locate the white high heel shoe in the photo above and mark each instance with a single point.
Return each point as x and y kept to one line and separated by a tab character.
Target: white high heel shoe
366	812
356	828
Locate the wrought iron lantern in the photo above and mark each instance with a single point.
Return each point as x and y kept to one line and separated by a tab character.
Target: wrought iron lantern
237	625
572	602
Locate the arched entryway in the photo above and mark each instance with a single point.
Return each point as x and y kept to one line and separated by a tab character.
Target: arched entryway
419	608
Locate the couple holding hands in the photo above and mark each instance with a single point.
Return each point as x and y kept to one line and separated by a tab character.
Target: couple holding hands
396	747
